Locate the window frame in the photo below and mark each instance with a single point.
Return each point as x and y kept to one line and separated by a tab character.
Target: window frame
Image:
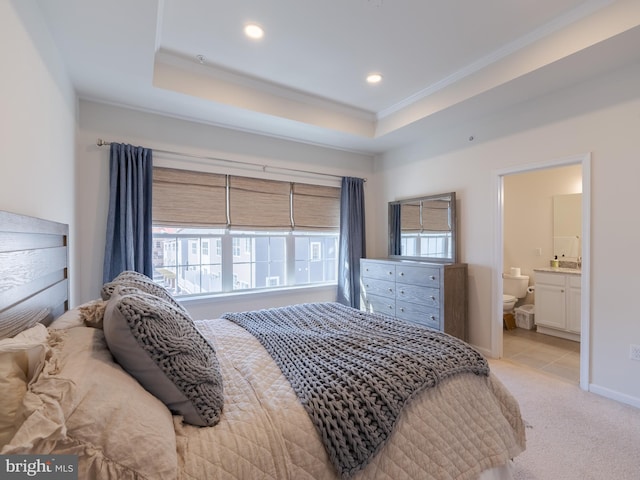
230	240
232	210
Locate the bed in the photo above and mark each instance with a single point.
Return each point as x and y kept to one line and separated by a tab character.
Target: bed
136	389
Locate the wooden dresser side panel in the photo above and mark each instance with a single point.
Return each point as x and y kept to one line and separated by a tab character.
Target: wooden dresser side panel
455	301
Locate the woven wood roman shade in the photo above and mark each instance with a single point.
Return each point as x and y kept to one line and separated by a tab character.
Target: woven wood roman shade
186	198
316	207
258	203
435	216
410	217
197	199
431	216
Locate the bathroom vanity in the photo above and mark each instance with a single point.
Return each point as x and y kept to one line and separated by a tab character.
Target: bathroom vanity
557	302
430	294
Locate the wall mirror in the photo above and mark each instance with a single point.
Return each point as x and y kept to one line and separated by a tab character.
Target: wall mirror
424	228
567	226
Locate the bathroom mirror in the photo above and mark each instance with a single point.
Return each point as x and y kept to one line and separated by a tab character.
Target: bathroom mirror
424	228
567	226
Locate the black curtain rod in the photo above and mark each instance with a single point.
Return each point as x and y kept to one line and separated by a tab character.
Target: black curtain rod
102	143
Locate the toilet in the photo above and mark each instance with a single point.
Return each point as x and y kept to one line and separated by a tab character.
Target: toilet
514	287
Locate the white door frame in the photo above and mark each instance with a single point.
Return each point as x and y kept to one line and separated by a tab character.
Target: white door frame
585	321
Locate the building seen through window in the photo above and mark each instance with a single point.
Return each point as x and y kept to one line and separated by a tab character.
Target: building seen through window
191	261
437	245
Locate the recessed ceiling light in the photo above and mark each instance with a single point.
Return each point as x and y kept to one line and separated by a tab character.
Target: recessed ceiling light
253	30
374	78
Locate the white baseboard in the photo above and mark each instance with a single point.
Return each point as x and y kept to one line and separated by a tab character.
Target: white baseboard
614	395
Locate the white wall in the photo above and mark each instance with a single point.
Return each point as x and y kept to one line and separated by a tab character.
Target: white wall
37	137
601	116
163	133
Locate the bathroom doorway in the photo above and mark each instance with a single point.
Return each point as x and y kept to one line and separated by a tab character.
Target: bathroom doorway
525	240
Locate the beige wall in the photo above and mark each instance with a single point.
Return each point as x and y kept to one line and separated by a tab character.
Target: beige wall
37	136
600	116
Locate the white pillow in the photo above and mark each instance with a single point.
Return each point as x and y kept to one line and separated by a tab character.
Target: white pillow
84	404
21	360
69	319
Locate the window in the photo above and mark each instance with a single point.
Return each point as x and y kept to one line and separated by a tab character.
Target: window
236	247
270	234
316	258
273	281
183	270
264	257
426	244
257	259
316	252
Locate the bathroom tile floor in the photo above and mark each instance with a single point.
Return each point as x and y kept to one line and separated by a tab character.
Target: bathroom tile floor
553	355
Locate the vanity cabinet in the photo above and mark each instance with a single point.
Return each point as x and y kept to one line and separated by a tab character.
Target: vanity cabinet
430	294
557	304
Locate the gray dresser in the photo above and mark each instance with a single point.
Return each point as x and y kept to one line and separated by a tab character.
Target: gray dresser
431	294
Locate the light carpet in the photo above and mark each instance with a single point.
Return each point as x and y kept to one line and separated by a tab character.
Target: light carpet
571	434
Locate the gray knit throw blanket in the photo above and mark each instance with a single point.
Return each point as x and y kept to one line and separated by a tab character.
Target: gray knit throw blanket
354	371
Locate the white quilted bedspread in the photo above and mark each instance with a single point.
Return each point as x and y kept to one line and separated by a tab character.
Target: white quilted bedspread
455	431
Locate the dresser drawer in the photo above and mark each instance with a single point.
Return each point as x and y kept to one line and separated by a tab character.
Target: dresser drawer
425	276
383	305
383	288
422	314
381	271
430	294
417	294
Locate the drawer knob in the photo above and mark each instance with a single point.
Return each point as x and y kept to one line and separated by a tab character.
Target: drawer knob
401	292
391	289
402	309
433	298
433	317
390	273
432	277
402	274
390	307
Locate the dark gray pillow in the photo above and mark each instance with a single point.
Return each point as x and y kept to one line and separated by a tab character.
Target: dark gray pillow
142	282
160	346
